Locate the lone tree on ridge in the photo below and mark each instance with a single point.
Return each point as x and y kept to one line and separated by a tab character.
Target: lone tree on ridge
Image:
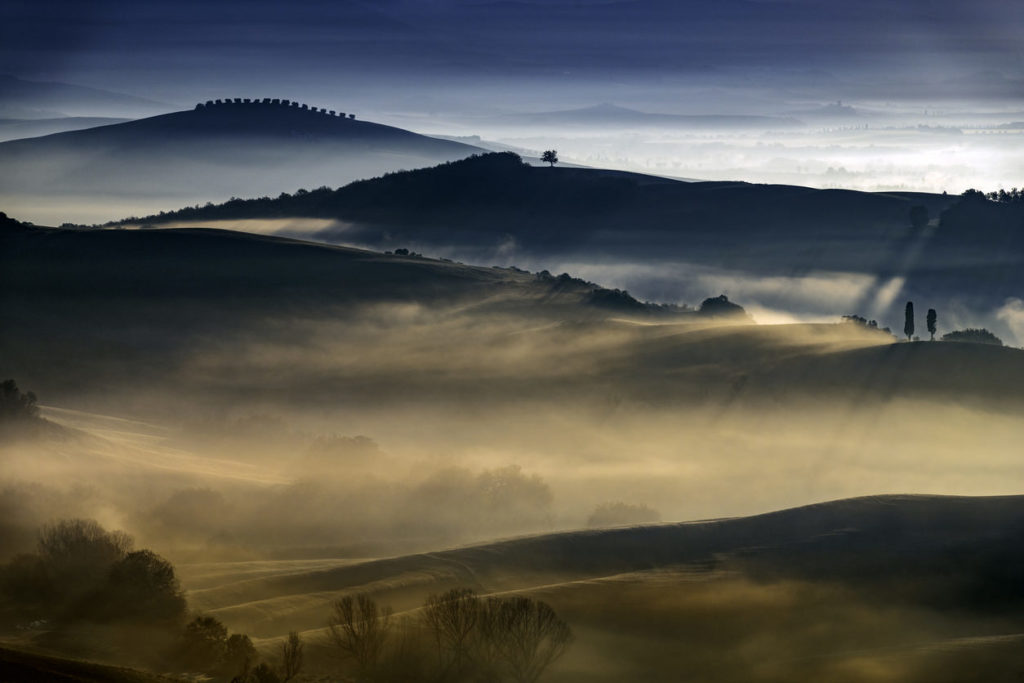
908	320
550	157
930	319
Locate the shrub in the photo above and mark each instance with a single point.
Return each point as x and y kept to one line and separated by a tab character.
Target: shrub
617	513
973	335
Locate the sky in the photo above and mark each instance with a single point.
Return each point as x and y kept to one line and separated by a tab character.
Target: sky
504	53
913	75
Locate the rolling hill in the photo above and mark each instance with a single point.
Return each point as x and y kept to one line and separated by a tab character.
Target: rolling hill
14	129
211	152
142	295
938	573
798	250
22	98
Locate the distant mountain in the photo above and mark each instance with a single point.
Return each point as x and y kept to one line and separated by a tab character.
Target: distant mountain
14	129
612	115
26	99
208	153
834	111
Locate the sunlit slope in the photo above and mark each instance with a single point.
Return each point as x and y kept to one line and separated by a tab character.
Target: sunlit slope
861	589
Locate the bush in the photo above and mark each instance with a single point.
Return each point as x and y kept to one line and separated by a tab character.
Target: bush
15	405
78	553
973	335
141	586
720	306
204	643
615	514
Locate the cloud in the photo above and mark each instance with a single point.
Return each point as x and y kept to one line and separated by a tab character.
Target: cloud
1012	314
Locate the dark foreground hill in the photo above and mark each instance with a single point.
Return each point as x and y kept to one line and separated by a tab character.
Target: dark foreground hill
26	667
211	152
88	309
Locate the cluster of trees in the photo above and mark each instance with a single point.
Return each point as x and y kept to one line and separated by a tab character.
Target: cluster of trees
931	319
456	636
1012	196
207	646
15	404
861	320
82	572
719	306
971	334
85	578
619	513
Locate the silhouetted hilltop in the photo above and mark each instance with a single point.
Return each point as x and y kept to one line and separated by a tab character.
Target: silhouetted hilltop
476	199
221	121
15	129
998	223
190	274
210	152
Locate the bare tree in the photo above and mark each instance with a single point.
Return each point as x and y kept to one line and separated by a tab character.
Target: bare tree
360	628
523	637
80	550
452	619
291	657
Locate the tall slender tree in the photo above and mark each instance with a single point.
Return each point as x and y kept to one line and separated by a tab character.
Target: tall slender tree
908	320
930	319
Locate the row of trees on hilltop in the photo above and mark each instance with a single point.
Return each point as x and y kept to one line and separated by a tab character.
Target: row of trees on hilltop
974	335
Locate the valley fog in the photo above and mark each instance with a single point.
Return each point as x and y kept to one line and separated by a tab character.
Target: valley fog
396	428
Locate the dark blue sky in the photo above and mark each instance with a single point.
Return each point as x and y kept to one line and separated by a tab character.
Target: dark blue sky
924	49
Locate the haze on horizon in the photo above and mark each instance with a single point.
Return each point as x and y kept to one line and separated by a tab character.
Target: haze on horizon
924	87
